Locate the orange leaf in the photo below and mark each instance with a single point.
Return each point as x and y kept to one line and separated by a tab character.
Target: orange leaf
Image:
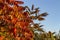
1	37
14	20
20	8
10	1
19	2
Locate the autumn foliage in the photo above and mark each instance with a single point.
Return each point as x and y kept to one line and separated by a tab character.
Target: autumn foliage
14	21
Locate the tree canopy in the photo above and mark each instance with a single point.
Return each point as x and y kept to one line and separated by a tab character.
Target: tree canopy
16	21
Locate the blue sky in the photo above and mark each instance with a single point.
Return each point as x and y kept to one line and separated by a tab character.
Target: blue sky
52	22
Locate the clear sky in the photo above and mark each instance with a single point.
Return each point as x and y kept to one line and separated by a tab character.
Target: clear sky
52	22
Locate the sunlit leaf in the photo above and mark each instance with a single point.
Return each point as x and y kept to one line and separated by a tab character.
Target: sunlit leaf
1	37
